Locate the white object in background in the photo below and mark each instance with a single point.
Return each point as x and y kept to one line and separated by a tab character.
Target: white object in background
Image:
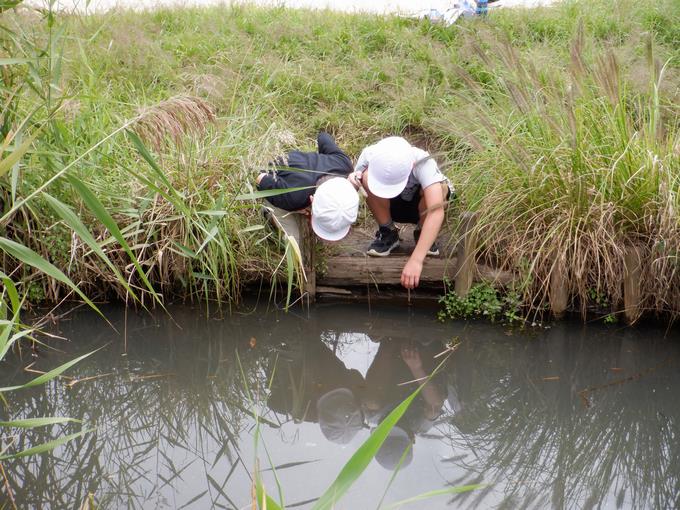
464	8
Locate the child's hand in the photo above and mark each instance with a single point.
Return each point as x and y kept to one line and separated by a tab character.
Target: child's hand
411	357
410	275
353	179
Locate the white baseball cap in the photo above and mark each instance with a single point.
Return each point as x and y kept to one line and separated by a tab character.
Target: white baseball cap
334	209
390	162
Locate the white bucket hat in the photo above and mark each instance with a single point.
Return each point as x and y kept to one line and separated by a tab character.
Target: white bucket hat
390	162
334	209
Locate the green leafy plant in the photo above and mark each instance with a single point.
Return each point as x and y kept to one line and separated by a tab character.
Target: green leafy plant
610	318
22	130
483	301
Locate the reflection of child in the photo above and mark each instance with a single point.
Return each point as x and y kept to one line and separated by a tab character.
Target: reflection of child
396	363
311	384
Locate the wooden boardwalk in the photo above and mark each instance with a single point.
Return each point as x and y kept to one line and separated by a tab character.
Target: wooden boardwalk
346	270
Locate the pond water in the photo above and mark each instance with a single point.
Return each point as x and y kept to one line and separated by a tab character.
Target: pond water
569	416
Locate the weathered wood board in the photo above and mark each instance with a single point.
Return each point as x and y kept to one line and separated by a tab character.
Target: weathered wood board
348	265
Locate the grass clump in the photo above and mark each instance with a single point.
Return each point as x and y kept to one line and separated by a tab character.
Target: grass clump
572	166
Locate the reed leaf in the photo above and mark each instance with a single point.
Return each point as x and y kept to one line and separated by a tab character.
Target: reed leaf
363	456
439	492
12	61
72	220
264	501
45	447
105	218
7	341
47	376
255	195
7	163
37	422
27	256
12	292
144	152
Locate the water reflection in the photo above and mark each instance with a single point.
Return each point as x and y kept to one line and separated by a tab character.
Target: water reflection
174	415
313	384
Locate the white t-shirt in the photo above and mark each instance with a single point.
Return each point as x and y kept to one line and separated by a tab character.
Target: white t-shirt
425	171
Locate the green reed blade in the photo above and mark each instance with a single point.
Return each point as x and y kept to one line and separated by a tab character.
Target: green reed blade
363	456
263	499
254	195
47	376
27	256
11	292
7	163
439	492
72	220
105	218
45	447
37	422
6	341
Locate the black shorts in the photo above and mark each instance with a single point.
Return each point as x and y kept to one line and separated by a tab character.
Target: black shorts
406	211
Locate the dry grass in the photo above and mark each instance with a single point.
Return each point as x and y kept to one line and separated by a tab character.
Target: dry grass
573	167
173	120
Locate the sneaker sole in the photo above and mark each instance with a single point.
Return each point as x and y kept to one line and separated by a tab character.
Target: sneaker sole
431	253
374	253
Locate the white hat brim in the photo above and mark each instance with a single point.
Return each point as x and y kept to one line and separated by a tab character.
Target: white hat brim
329	235
383	190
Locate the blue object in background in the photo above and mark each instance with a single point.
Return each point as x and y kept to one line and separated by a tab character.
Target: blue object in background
482	7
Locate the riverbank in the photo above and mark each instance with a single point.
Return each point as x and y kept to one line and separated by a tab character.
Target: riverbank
558	126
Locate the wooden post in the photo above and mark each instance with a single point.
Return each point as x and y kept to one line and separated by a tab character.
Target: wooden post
558	293
467	250
307	245
632	277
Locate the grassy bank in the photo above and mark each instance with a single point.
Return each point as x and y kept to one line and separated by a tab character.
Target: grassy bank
560	126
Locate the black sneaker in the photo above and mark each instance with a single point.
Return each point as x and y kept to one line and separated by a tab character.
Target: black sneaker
386	240
434	249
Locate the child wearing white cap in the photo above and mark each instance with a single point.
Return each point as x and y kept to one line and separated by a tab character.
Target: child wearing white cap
404	184
322	176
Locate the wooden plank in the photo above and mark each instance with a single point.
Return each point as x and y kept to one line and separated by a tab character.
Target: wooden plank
337	291
558	293
347	271
350	271
466	253
632	277
308	240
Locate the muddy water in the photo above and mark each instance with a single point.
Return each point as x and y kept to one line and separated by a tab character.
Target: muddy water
571	416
